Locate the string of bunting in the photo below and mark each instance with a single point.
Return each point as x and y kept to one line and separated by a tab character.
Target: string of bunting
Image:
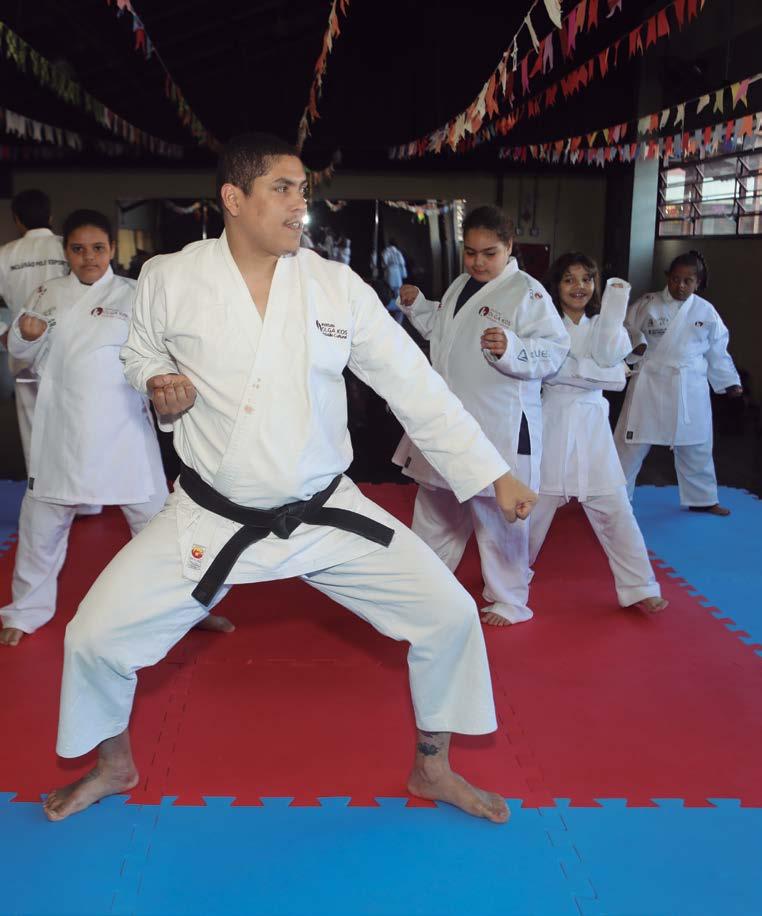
18	52
332	32
559	150
171	89
30	129
434	207
468	130
726	137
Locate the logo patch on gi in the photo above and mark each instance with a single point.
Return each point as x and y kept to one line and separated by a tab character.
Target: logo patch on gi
196	556
327	329
629	434
699	324
523	356
99	312
486	312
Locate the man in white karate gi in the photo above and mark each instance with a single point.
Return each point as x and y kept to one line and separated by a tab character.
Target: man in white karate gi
241	342
32	259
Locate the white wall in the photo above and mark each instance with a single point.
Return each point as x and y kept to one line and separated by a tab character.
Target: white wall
570	207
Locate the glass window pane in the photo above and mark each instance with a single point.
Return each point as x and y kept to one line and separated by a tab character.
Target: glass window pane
748	225
715	226
675	227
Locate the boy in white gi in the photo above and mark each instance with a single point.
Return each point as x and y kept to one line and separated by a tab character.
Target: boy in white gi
93	440
494	337
680	348
578	454
24	264
241	341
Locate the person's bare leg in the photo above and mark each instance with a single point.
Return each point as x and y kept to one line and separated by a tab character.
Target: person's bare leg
114	772
11	636
432	778
216	623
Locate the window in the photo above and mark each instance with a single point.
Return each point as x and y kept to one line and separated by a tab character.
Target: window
720	196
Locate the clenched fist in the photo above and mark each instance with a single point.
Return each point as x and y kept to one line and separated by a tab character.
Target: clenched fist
514	498
408	294
30	327
171	394
494	340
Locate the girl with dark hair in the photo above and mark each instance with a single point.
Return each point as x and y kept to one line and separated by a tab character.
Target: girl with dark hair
93	441
494	337
579	459
680	348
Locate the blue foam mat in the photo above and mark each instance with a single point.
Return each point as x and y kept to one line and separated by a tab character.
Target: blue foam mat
719	557
11	494
124	859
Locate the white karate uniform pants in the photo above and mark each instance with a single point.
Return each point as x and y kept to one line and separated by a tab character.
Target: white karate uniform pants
43	541
694	465
26	398
614	524
141	605
446	525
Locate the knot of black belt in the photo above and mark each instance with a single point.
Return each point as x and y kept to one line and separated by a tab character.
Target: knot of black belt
258	523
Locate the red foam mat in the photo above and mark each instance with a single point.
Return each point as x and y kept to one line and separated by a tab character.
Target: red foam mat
305	700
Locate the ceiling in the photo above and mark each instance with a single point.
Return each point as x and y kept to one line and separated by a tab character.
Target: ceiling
399	69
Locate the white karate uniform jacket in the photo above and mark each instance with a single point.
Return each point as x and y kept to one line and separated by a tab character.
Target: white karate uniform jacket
93	440
272	427
395	269
667	401
495	390
578	454
25	264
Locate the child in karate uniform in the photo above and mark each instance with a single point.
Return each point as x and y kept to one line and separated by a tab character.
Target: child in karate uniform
93	441
680	348
579	459
494	337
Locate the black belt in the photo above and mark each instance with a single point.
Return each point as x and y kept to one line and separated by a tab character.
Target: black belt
258	523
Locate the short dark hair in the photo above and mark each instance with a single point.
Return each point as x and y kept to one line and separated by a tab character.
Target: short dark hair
32	208
248	156
556	273
493	219
695	260
80	218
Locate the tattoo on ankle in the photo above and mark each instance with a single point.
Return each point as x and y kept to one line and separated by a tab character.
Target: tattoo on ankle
428	750
430	734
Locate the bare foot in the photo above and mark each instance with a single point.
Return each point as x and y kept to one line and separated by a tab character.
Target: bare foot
446	786
716	509
216	623
10	636
97	784
652	605
501	615
495	620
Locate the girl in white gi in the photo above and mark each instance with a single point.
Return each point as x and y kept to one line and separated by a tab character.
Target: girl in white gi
93	440
680	348
242	342
578	454
494	337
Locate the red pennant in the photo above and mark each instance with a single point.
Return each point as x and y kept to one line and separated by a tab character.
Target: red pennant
728	130
707	135
680	12
592	14
662	24
692	9
550	95
669	146
746	126
537	66
603	61
635	41
651	32
525	76
654	122
607	154
575	144
616	51
492	107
